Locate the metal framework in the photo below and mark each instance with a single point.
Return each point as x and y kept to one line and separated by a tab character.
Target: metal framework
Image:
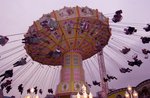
102	72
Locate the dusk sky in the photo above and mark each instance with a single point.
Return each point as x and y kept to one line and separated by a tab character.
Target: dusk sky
17	15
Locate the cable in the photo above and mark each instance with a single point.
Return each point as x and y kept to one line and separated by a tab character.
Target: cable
56	78
91	70
11	54
54	75
11	60
50	78
117	55
10	50
43	78
123	41
86	67
96	67
32	74
39	77
118	26
14	41
16	72
108	14
121	31
8	65
15	34
135	23
116	63
36	77
21	72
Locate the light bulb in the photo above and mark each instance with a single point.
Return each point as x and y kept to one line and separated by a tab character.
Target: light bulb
32	90
28	96
90	95
126	94
78	95
129	88
135	94
36	96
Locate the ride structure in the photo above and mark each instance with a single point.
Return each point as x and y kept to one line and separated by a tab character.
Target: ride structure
65	38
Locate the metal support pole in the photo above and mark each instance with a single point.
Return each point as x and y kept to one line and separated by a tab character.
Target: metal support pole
102	72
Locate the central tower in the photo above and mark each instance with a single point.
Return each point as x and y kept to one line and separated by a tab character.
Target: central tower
72	75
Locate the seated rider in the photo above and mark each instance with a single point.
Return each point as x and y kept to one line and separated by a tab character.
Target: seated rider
3	40
7	74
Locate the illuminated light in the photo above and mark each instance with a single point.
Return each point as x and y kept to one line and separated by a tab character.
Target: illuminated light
32	90
85	95
78	95
129	88
83	88
90	95
28	96
135	94
131	93
127	94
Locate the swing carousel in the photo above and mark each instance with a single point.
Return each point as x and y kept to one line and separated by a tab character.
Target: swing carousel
60	45
65	38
